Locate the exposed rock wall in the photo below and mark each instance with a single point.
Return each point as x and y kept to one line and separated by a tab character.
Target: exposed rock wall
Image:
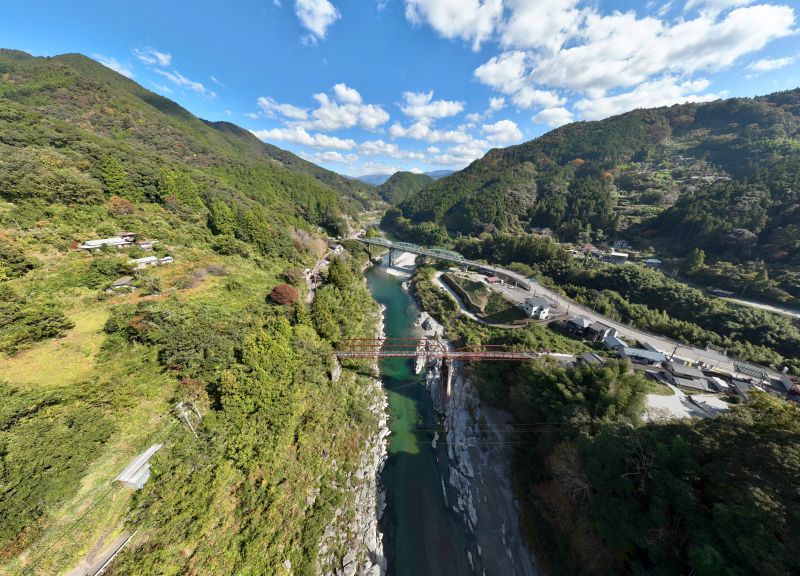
352	544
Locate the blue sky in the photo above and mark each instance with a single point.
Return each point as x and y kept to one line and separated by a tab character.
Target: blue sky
368	86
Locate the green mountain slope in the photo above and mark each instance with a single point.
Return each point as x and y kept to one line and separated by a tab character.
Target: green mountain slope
402	185
138	124
732	166
92	374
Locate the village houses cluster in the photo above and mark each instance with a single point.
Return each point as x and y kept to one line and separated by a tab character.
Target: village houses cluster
125	240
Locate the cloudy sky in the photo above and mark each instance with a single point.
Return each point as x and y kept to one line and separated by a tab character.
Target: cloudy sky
373	86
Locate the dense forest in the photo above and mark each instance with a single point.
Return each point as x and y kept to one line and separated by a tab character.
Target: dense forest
90	376
603	493
722	176
401	185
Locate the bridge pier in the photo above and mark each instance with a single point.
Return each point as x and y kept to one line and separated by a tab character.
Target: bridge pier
392	254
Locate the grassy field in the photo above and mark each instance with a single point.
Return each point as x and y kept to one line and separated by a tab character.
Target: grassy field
61	362
478	294
500	311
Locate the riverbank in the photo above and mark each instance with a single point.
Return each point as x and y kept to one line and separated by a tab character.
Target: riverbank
352	544
479	453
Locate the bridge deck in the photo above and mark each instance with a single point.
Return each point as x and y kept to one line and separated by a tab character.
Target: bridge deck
446	256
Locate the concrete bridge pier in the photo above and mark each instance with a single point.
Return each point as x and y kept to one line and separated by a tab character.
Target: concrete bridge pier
392	255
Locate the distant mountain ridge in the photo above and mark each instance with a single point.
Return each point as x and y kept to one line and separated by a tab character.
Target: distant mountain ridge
378	179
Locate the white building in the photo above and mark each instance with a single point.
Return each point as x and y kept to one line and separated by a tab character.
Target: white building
138	471
140	263
124	240
537	307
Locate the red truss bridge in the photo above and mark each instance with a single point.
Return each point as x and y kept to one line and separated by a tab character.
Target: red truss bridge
427	347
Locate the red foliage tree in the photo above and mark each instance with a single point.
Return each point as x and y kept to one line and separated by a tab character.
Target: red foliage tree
284	294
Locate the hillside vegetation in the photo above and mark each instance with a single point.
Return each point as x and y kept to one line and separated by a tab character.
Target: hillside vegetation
89	379
402	185
723	176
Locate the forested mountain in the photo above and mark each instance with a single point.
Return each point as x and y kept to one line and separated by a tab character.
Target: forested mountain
402	185
66	101
724	176
97	354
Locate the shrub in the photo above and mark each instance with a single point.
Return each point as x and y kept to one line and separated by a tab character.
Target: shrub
284	295
294	276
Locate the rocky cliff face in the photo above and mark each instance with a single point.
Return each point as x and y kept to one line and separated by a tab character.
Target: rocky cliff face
352	544
479	457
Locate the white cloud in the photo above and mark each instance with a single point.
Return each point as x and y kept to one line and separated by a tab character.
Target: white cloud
553	117
316	16
346	95
422	131
298	135
381	148
330	156
505	73
217	82
470	20
114	64
545	24
421	105
182	81
270	107
769	64
153	57
497	103
529	97
228	113
555	45
714	6
433	150
462	154
330	115
622	50
663	92
162	88
502	132
377	168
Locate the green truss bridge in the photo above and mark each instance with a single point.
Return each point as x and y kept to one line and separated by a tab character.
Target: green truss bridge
448	256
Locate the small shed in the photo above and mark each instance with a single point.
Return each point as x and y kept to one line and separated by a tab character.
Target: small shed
494	280
652	263
700	384
614	257
137	472
578	325
122	284
140	263
591	359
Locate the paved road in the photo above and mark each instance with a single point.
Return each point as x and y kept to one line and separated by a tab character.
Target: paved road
668	346
769	307
570	308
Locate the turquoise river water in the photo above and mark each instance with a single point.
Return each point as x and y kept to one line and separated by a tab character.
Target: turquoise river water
422	534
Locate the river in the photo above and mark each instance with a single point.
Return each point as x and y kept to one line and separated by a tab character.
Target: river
422	534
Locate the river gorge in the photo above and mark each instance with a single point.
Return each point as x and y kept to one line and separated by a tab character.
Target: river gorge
449	506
